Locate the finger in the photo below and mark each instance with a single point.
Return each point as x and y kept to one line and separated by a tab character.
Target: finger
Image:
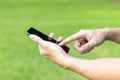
82	41
77	45
59	40
36	39
69	39
51	36
88	46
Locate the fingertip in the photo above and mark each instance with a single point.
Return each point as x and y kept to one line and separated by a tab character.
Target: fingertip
69	39
51	35
59	39
61	44
82	50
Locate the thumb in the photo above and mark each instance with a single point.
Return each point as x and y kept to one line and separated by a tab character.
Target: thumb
88	46
36	39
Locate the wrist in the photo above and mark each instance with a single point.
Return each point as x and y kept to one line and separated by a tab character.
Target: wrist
62	60
112	34
107	33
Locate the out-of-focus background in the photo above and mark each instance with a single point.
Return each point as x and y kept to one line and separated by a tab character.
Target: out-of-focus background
19	56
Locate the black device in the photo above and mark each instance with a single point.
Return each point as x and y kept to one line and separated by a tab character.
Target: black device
44	37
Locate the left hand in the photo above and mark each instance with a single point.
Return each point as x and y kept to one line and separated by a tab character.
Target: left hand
48	49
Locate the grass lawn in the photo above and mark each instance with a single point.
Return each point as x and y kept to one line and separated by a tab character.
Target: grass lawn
19	56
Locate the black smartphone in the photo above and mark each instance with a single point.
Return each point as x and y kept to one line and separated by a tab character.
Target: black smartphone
44	37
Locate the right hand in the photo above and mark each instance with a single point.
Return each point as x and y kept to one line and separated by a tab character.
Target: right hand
86	40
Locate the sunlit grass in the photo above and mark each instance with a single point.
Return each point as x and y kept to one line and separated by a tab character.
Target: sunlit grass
19	56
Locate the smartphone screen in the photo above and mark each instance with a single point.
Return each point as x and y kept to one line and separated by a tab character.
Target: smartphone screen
44	37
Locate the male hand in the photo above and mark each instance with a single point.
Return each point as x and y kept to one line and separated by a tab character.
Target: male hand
86	40
48	48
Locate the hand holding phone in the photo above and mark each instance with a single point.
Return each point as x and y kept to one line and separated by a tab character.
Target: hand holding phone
44	37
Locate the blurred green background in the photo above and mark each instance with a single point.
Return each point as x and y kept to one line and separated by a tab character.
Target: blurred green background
19	56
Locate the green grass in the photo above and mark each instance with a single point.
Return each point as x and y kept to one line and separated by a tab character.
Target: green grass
19	56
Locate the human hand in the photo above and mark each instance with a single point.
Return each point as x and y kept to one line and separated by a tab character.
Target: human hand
48	48
86	40
51	50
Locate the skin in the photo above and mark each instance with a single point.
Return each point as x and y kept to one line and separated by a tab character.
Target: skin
92	38
85	41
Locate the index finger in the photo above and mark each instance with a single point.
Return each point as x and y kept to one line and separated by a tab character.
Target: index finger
69	39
